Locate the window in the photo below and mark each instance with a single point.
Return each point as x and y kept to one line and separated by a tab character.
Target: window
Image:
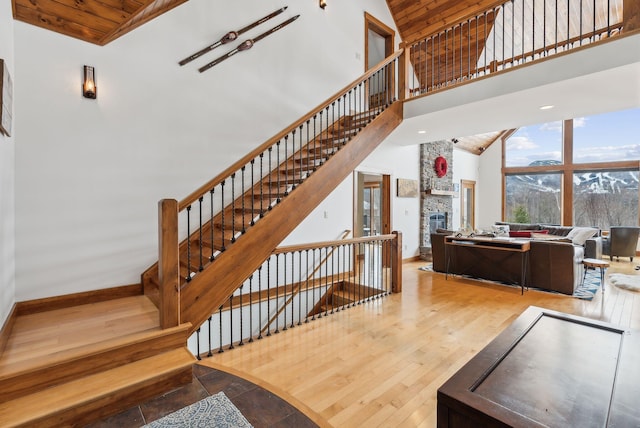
600	185
608	137
535	145
605	198
533	198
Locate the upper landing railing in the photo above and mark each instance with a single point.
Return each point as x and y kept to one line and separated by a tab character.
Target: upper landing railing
514	33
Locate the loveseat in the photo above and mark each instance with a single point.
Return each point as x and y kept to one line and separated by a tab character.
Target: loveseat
553	262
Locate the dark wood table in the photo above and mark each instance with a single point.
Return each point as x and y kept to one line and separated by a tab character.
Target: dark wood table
548	369
482	250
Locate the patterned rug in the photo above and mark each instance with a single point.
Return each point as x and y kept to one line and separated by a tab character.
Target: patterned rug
586	291
628	282
214	411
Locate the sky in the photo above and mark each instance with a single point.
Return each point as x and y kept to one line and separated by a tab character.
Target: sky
602	138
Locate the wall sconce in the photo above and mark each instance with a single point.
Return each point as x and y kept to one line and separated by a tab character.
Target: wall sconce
89	88
323	4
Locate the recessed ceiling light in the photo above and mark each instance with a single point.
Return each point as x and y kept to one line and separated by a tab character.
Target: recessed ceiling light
422	132
547	107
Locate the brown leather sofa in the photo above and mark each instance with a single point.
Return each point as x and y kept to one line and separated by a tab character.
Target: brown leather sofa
552	265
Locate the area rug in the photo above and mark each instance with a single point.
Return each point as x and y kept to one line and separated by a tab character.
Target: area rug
628	282
214	411
586	291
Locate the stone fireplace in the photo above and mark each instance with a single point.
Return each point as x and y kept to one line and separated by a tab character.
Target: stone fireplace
436	206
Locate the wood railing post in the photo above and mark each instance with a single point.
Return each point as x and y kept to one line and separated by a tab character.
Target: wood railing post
396	263
403	73
168	268
631	12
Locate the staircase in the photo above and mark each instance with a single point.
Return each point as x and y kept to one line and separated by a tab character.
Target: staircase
68	362
73	365
287	178
344	294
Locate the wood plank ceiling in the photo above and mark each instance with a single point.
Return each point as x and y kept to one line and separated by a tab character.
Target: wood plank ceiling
416	19
94	21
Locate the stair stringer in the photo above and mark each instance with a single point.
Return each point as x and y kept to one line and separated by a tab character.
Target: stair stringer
209	289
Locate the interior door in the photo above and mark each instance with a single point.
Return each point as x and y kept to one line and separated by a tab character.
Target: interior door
467	205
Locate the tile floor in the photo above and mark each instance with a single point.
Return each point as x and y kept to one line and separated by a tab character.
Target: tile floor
259	406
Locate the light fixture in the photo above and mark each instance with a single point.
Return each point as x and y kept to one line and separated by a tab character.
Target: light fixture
547	107
323	4
89	88
422	132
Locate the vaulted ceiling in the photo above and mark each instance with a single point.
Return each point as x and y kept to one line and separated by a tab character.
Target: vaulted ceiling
94	21
416	19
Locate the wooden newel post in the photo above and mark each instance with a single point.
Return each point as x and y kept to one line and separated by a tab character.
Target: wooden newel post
396	263
168	268
403	73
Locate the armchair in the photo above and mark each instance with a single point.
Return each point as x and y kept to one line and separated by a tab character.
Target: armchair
621	242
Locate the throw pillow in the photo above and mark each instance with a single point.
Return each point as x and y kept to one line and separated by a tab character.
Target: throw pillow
500	229
579	235
525	233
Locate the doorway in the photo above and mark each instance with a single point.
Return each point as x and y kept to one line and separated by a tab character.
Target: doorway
467	205
373	204
379	43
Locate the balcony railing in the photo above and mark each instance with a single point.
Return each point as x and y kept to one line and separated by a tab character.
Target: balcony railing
300	284
510	35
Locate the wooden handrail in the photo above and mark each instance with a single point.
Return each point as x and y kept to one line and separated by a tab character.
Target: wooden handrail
316	245
194	196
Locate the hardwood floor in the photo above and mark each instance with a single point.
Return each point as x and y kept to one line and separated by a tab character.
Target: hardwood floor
381	363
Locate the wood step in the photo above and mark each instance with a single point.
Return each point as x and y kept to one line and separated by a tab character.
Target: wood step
100	395
26	376
343	298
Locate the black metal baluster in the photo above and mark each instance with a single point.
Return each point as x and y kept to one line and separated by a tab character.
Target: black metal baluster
269	297
292	281
251	308
337	284
253	194
286	165
188	278
233	207
580	31
260	300
300	288
284	300
198	345
513	34
211	226
220	350
306	295
200	267
314	285
262	185
209	354
326	283
278	171
300	153
241	318
277	330
556	27
608	18
309	168
222	216
231	322
244	211
270	177
359	270
333	278
328	138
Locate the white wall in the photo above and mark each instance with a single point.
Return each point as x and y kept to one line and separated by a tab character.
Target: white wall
89	173
466	166
7	180
489	189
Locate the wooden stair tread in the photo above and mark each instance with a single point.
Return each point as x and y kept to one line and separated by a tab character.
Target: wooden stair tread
14	368
44	405
47	333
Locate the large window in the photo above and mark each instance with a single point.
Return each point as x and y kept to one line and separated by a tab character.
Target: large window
596	186
533	198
